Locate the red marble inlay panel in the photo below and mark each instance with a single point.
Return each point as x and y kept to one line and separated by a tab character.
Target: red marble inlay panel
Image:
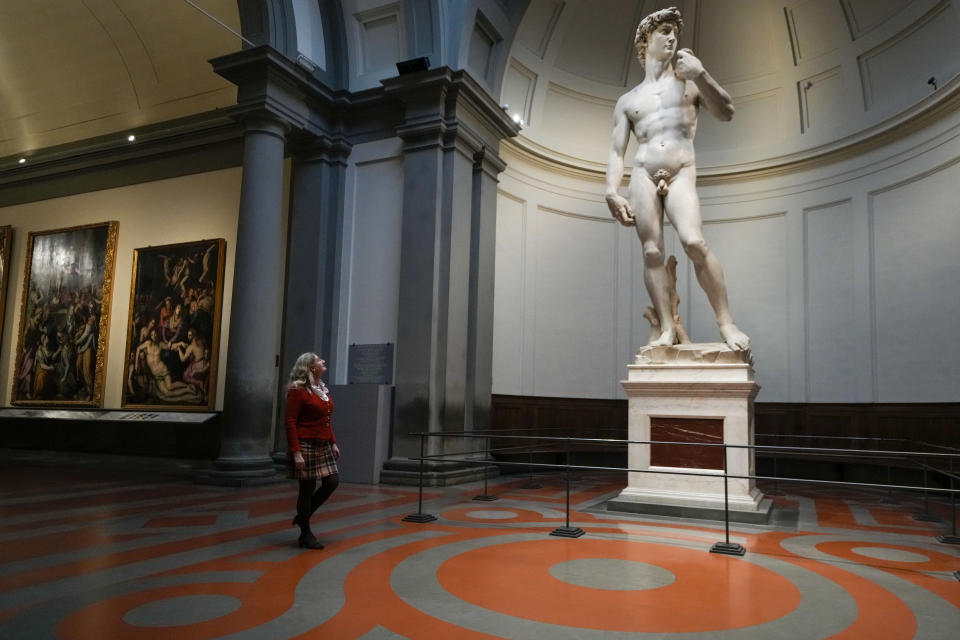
709	430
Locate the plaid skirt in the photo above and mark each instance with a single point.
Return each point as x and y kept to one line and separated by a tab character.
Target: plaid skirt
318	461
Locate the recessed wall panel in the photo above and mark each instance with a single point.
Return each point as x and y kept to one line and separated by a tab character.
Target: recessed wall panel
519	84
896	73
508	308
600	47
381	42
576	123
821	100
816	27
575	305
829	304
864	15
758	121
538	24
916	305
753	253
737	40
375	269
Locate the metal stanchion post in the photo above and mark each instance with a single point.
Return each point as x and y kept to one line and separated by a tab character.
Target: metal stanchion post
726	547
776	490
952	538
531	483
926	516
420	516
567	531
889	499
485	496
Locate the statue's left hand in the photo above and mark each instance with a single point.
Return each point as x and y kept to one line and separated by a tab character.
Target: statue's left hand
687	66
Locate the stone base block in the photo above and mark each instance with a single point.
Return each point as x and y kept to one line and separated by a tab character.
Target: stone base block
752	509
435	474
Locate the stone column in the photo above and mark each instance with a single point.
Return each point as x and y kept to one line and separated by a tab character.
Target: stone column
313	262
251	373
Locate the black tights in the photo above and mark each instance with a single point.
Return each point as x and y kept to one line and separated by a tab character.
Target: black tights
309	500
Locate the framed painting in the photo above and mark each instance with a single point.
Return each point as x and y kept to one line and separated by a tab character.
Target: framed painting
6	238
173	329
65	316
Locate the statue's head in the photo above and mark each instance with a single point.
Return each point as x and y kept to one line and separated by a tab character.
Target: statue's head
649	24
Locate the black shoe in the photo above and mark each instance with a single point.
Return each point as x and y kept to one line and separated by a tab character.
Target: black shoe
309	541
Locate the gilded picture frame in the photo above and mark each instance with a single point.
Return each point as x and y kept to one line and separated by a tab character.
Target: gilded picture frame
173	327
6	241
65	316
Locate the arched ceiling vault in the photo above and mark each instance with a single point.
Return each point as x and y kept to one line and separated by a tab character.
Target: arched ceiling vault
77	69
809	78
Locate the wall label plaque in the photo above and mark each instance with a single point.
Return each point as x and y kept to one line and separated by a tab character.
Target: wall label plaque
370	364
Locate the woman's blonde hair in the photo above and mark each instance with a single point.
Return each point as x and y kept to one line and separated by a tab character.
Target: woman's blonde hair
300	374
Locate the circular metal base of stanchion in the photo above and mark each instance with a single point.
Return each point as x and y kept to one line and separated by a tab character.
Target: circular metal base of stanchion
568	532
420	517
728	548
949	539
926	517
485	498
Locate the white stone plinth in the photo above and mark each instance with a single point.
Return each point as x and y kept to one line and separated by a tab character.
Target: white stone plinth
692	381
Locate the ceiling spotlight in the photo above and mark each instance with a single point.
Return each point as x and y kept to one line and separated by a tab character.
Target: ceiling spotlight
516	118
131	138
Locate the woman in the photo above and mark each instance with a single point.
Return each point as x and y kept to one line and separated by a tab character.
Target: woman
312	447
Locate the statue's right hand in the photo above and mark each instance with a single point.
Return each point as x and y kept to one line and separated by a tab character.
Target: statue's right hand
620	209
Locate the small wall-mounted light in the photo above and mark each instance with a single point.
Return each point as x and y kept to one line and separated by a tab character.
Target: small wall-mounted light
22	161
516	118
131	138
306	63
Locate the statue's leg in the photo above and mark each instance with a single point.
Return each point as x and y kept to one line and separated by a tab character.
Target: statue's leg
683	208
648	214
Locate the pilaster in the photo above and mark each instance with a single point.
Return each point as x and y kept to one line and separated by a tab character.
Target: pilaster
450	129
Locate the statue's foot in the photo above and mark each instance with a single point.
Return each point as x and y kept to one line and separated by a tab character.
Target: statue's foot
667	338
735	339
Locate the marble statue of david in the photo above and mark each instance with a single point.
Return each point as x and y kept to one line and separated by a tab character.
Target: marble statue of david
662	113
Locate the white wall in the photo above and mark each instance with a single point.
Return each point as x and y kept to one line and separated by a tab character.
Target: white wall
842	273
183	209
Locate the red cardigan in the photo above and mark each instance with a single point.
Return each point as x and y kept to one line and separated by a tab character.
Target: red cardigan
308	416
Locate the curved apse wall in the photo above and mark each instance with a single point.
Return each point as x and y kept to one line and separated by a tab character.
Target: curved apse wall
827	198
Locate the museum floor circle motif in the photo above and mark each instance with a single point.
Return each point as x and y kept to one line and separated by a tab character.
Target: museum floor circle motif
521	580
612	574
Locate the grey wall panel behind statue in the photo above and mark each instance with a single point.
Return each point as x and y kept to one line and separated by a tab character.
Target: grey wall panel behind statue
916	269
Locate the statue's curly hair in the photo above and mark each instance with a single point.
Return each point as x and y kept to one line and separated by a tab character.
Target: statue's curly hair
649	24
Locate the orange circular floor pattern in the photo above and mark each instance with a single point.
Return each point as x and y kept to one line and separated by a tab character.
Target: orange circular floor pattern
517	581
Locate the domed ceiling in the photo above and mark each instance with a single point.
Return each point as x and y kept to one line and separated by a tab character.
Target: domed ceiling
807	77
72	69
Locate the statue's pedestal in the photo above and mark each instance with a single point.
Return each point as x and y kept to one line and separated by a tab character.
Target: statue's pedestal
699	393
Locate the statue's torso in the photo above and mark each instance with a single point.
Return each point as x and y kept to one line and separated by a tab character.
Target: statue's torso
663	117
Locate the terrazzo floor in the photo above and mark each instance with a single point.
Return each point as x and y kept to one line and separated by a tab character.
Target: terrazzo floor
88	553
